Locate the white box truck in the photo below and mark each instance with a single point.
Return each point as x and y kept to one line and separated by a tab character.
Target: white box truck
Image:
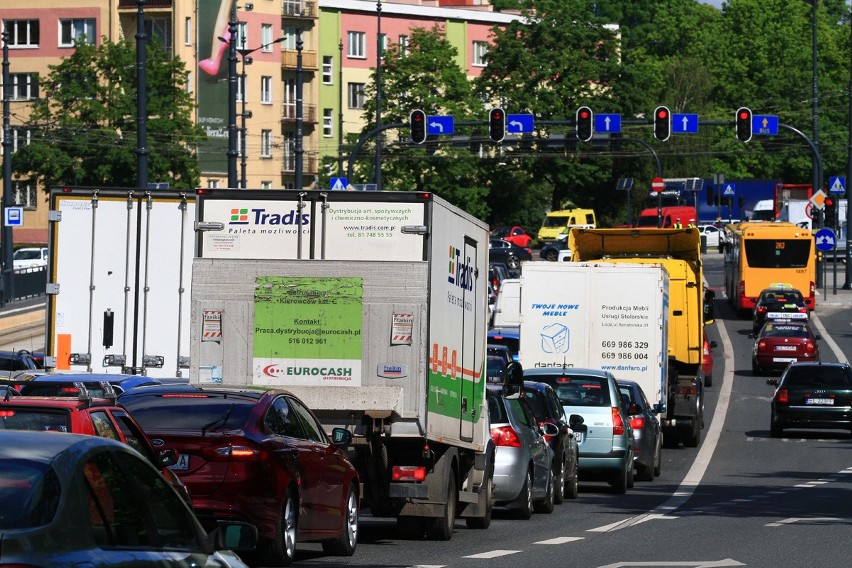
611	316
118	280
372	308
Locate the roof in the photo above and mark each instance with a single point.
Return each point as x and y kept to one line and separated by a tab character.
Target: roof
565	371
43	447
594	244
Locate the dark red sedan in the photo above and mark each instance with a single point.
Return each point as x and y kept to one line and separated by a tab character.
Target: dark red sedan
779	344
260	457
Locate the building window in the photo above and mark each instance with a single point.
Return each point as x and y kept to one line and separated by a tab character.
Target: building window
212	184
404	47
357	42
22	33
187	31
327	68
24	86
480	48
189	80
242	35
20	137
356	95
76	30
25	194
327	122
159	29
290	99
383	44
266	90
266	37
289	35
266	144
266	185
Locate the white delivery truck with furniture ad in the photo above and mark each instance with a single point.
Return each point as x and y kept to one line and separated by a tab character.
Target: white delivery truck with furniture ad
372	308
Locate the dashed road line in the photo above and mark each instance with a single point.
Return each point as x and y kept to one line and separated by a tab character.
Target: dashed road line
493	554
560	540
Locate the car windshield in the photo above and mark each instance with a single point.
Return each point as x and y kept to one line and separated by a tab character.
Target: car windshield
37	419
27	255
817	376
536	402
189	412
29	491
782	330
576	390
496	368
500	232
513	344
553	221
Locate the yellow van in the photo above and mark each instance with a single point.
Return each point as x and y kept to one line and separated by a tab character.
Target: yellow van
557	222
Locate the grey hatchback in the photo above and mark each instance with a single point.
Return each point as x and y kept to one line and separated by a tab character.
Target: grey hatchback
605	439
646	430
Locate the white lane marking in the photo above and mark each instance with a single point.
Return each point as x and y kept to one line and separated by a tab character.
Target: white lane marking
827	338
429	566
629	522
811	520
560	540
493	554
692	563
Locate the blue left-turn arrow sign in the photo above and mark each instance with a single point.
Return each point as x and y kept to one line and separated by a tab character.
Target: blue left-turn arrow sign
440	125
519	123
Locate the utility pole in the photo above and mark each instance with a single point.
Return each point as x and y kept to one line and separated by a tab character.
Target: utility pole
232	97
6	282
141	99
340	115
299	151
379	43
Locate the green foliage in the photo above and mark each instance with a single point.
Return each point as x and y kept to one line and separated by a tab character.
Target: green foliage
84	126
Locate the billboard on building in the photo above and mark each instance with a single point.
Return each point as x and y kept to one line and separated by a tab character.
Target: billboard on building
213	41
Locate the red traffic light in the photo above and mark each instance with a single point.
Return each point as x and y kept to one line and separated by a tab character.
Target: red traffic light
662	123
744	115
496	124
662	113
417	126
584	126
584	114
828	202
744	126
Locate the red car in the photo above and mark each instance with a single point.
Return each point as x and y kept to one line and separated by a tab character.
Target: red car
81	413
515	235
256	456
780	343
707	361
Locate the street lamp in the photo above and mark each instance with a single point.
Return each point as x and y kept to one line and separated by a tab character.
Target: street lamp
244	114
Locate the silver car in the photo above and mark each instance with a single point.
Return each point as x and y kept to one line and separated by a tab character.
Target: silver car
523	479
605	439
646	431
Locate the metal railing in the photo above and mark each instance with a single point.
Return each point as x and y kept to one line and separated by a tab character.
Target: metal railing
309	113
296	9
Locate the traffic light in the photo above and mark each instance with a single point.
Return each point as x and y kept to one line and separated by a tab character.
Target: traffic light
662	123
417	122
829	212
743	124
496	124
585	116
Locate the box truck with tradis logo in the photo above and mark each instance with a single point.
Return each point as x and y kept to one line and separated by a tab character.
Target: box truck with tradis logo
372	308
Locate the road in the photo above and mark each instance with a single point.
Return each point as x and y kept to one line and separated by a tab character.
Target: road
740	499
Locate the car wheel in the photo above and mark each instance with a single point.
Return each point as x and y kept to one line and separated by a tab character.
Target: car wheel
513	262
619	482
484	521
442	527
559	480
644	472
630	475
708	380
658	461
345	544
551	255
546	505
694	437
525	510
755	369
572	483
284	546
776	430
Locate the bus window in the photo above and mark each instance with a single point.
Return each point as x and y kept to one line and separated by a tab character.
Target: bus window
772	253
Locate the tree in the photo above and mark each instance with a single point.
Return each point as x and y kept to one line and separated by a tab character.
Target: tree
84	126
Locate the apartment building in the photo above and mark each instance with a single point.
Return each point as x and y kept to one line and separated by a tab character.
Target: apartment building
283	62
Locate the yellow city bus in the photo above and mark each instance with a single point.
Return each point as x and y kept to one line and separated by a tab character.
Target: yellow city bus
758	255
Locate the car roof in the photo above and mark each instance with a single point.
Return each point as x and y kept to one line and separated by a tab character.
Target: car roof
42	447
566	371
509	331
62	402
818	364
231	390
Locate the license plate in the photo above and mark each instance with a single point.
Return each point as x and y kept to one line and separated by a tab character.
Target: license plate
820	401
783	359
182	463
579	437
785	347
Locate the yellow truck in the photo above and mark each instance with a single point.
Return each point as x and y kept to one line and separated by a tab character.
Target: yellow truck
557	223
679	250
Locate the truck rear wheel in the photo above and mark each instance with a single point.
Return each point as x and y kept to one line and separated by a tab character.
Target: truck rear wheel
692	440
441	528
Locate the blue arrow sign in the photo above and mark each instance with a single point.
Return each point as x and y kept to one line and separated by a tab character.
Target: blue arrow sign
684	123
764	125
440	125
338	184
729	189
519	123
837	185
608	123
825	240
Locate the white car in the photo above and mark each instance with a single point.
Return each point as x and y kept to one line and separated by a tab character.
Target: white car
712	234
29	257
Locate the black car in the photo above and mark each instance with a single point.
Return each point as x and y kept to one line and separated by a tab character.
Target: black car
648	454
497	364
812	395
551	250
547	409
507	253
779	303
21	360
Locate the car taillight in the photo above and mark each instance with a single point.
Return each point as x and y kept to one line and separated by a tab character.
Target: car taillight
686	390
761	309
235	453
761	344
7	413
617	422
782	396
706	349
812	289
408	473
810	347
637	422
505	436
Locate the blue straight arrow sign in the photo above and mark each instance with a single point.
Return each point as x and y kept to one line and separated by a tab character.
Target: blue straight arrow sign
764	125
440	125
519	123
684	123
608	123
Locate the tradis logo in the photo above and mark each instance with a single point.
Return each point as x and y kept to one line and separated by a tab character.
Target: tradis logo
263	217
461	270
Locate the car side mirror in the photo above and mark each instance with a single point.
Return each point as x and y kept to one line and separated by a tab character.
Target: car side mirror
549	429
575	420
657	408
772	381
713	345
168	457
633	410
341	436
514	374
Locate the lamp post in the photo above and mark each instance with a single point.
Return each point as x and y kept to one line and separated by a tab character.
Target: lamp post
816	174
141	99
6	245
232	97
379	46
340	102
244	114
299	150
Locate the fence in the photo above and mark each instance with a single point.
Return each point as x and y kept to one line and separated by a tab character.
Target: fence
27	283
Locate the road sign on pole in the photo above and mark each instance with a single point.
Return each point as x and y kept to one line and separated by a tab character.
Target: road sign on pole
825	240
519	123
684	123
658	185
440	125
608	123
837	184
764	125
730	190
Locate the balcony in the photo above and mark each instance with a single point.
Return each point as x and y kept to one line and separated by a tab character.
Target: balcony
296	9
289	60
155	4
310	163
309	113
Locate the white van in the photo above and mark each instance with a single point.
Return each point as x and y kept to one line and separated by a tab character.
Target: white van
29	257
507	310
